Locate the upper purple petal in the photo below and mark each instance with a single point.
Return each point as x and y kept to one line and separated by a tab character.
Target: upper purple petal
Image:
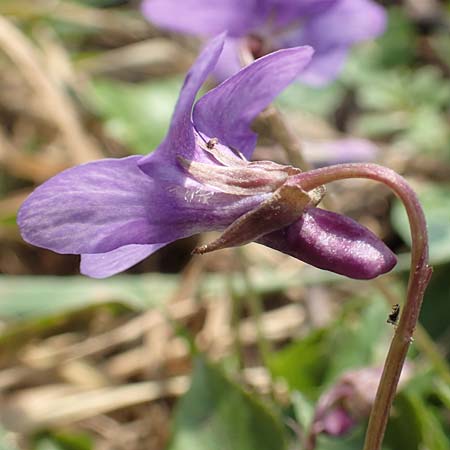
331	32
102	265
92	208
180	139
333	242
288	11
227	111
206	17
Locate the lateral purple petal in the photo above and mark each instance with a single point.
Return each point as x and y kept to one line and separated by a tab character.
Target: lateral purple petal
333	242
92	208
180	139
346	22
102	265
206	17
227	111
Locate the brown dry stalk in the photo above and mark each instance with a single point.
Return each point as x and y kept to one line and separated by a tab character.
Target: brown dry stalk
55	104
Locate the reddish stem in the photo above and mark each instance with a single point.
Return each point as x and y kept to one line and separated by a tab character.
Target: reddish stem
419	277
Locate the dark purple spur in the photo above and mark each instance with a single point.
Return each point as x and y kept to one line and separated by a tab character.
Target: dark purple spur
116	212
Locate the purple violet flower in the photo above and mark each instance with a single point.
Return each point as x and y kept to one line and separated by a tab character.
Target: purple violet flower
331	27
116	212
348	402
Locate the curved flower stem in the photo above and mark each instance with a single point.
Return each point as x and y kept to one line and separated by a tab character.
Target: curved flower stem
419	277
422	339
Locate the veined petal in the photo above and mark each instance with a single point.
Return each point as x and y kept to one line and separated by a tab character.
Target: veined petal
102	265
92	208
333	242
180	140
227	111
206	17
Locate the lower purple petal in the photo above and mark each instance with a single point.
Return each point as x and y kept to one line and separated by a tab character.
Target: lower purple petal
333	242
102	265
92	208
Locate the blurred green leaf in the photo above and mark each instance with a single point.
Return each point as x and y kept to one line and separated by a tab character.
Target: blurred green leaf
394	49
353	441
381	124
441	45
435	201
34	296
23	296
62	441
303	364
415	425
428	131
321	101
5	442
403	430
443	390
397	45
304	409
310	364
355	339
435	314
216	413
138	115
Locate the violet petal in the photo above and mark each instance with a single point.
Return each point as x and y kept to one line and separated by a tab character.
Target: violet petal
227	111
206	17
333	242
339	151
287	11
102	265
180	139
346	22
337	422
92	208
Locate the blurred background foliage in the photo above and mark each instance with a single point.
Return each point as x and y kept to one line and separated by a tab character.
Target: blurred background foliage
259	338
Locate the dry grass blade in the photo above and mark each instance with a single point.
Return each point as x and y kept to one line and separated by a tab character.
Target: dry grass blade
63	404
101	19
153	56
53	100
33	167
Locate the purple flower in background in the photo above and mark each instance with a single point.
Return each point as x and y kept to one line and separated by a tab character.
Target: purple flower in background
116	212
348	402
339	151
331	27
